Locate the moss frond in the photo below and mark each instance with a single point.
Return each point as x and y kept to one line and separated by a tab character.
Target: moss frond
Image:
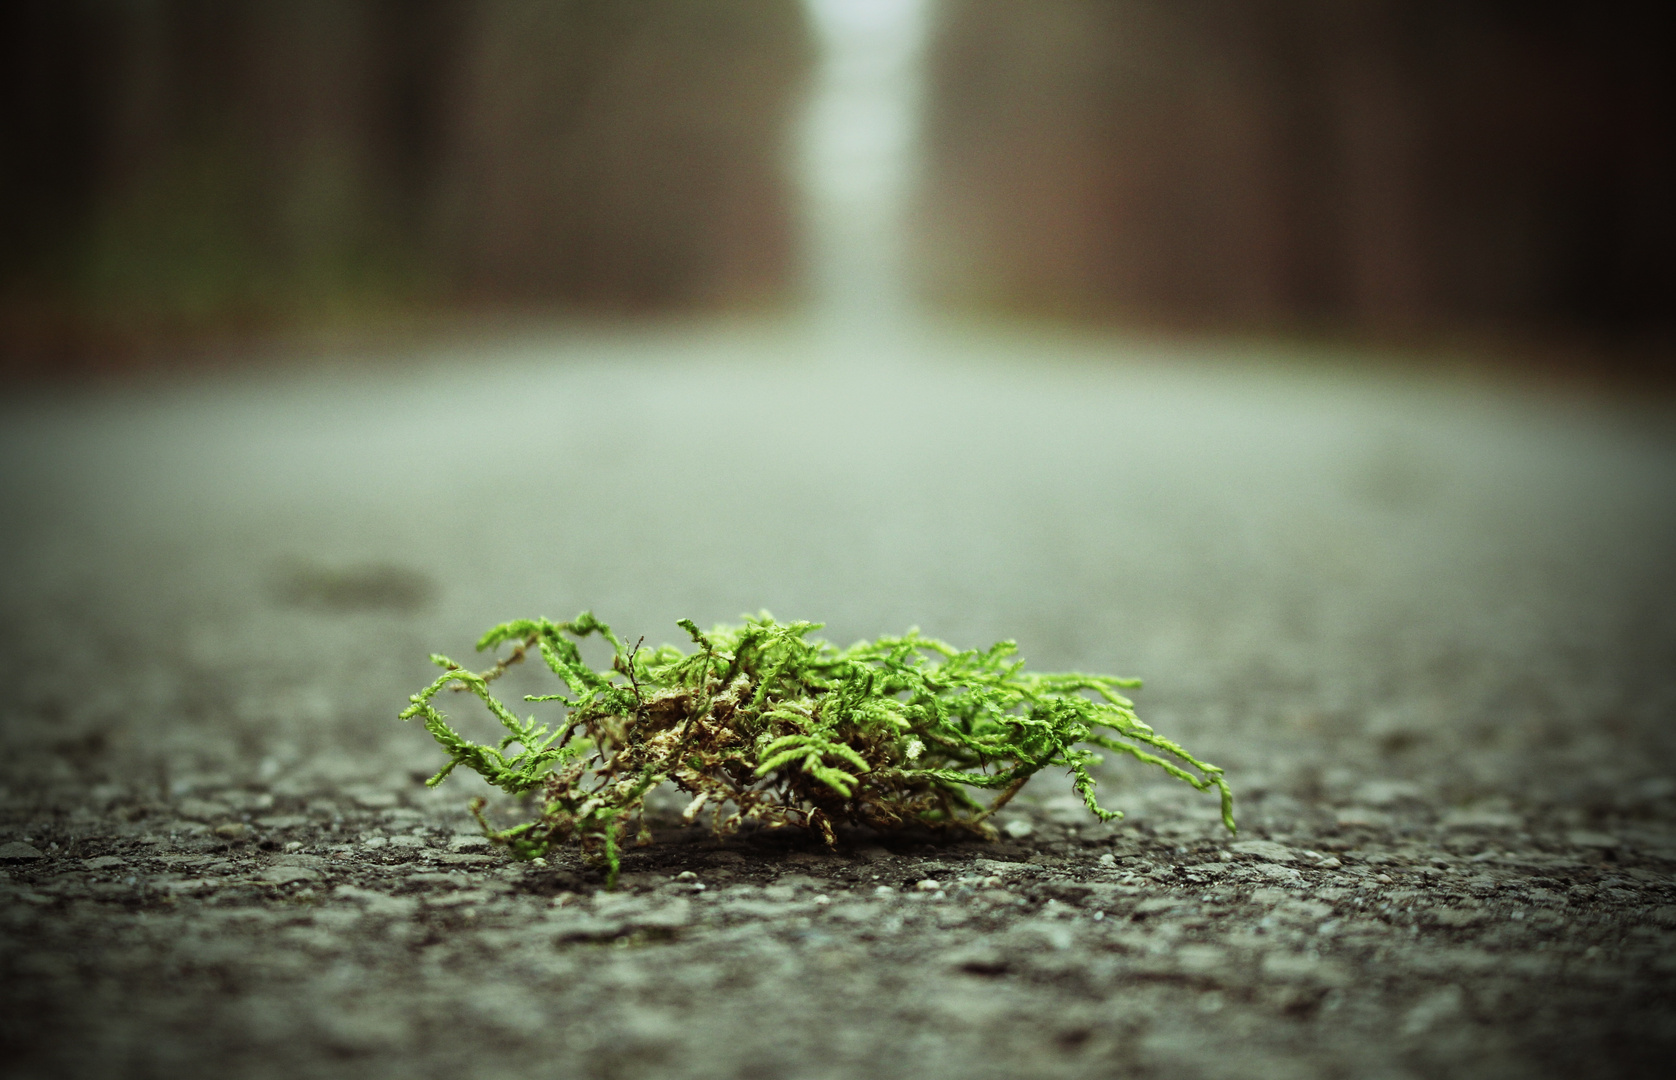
762	722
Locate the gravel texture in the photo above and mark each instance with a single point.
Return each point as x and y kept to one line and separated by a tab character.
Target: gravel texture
1426	624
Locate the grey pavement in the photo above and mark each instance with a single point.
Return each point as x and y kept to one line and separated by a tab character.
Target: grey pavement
1424	620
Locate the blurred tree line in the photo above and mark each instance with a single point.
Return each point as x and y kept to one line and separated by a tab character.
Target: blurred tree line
1394	166
176	167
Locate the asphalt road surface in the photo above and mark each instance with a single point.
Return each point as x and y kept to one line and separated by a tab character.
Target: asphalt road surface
1424	621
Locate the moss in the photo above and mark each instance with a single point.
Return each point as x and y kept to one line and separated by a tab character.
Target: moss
761	722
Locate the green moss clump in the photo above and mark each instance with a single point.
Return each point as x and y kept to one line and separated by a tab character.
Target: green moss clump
762	723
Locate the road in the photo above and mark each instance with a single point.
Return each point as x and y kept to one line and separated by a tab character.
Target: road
1424	619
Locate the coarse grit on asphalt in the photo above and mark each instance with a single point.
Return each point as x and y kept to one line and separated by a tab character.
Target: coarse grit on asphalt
1425	623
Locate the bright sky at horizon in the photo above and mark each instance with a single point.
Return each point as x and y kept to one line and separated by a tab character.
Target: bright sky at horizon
857	156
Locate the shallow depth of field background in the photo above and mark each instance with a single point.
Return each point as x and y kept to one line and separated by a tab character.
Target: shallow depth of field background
1309	359
1306	359
196	181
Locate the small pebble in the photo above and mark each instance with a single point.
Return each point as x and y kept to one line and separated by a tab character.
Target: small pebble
928	885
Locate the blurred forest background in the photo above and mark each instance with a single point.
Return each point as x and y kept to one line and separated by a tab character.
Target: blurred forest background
182	173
